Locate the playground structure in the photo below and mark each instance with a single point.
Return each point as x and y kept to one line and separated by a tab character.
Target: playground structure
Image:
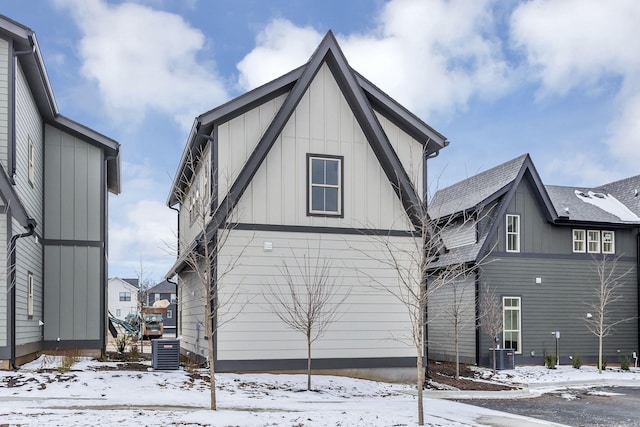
146	324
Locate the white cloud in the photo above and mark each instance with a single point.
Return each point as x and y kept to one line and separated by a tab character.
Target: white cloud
144	59
432	56
583	45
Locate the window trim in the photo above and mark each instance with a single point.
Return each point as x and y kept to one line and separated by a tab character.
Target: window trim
122	296
519	330
508	233
30	296
583	240
589	241
340	186
613	242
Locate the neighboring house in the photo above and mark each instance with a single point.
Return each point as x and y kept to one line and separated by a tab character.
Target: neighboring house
318	162
123	297
536	245
54	178
165	290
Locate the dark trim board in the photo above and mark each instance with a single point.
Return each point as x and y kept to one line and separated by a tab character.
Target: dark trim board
321	230
79	243
29	348
574	256
301	364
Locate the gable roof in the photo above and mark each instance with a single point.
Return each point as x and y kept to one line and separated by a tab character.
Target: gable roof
25	43
164	287
361	95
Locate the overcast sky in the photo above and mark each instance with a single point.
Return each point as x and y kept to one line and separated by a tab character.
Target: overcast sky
557	79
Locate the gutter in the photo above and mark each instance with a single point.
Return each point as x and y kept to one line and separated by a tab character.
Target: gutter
12	274
12	157
638	281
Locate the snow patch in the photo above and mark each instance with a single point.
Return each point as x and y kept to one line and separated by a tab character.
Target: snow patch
609	204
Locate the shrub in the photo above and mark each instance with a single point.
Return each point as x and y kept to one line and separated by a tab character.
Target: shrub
134	354
68	359
550	361
576	361
624	363
604	363
121	343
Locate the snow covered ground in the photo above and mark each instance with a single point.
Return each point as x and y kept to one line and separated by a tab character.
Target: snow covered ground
38	394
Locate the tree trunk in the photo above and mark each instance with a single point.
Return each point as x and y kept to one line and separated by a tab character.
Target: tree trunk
211	353
308	360
494	358
456	339
420	387
600	354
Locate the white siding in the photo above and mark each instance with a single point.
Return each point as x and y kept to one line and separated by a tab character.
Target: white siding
4	102
191	300
114	287
370	323
323	123
442	306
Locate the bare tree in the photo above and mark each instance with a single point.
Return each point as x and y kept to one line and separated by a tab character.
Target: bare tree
201	255
422	265
491	320
600	320
459	310
309	300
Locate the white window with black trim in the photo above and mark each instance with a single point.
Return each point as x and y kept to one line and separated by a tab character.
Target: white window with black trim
608	242
513	233
325	188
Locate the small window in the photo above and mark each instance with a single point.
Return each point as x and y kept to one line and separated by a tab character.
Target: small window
32	165
593	241
608	242
156	297
579	241
325	185
169	314
29	294
125	296
513	233
173	298
118	312
512	330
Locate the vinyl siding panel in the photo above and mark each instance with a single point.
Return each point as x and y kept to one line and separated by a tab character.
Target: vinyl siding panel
559	304
29	127
458	235
5	63
191	298
370	324
323	124
28	259
454	300
115	286
199	186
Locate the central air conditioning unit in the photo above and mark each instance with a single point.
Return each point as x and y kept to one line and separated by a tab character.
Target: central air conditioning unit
165	354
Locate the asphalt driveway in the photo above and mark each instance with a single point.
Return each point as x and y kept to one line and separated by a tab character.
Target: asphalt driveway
584	407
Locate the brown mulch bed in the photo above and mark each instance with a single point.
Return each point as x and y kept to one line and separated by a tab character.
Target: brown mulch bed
443	373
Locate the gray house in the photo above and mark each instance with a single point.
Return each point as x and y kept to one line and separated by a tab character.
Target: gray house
318	163
54	178
537	245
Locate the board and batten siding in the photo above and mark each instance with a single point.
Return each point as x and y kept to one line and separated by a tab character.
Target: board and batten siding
322	124
5	63
371	323
558	303
74	192
445	304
